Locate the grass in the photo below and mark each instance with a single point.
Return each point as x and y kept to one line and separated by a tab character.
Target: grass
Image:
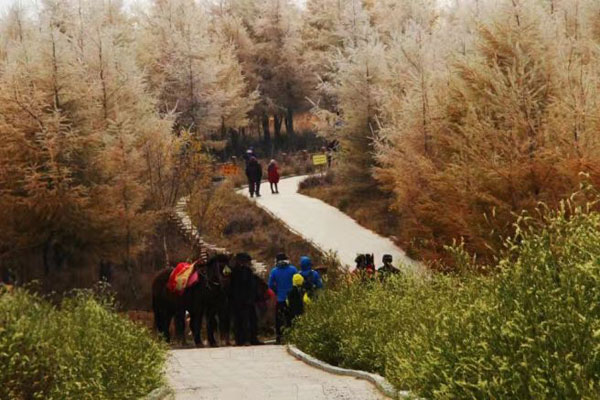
528	330
236	223
81	349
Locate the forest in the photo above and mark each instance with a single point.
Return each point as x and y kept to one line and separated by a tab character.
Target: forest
110	112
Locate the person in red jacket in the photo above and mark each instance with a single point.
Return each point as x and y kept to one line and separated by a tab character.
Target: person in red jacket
273	176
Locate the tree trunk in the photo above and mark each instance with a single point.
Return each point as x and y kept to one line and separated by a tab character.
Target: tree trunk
128	265
223	128
103	82
266	131
289	121
277	124
235	143
165	249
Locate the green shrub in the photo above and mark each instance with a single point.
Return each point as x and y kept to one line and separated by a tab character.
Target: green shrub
80	350
529	331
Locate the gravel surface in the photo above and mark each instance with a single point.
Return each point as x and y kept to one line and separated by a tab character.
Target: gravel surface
257	373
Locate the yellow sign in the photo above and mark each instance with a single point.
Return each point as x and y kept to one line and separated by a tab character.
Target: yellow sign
319	159
229	169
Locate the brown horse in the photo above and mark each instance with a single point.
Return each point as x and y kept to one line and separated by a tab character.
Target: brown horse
207	297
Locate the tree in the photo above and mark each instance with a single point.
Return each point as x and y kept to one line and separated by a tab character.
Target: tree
361	75
74	112
277	61
502	126
194	72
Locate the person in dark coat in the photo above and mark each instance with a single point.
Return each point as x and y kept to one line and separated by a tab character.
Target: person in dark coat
249	154
243	295
296	298
387	268
254	175
273	172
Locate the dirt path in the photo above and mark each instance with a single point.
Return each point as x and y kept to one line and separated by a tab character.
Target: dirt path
326	226
257	373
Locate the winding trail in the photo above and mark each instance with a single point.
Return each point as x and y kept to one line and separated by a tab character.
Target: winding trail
257	373
269	372
326	226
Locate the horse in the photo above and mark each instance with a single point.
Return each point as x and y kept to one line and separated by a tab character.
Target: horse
210	299
207	297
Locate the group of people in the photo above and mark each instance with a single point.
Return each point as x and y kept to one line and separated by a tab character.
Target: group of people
293	289
254	173
365	266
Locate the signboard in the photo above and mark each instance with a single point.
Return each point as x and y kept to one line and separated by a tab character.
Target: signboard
319	159
229	169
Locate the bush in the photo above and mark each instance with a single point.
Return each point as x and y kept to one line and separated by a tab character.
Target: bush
80	350
531	330
314	181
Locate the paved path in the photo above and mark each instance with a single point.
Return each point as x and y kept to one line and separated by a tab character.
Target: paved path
257	373
326	226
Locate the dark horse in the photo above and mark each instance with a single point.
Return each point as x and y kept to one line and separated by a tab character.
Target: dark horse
209	297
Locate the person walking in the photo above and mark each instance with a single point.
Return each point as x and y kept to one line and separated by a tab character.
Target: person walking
254	175
280	281
243	295
249	154
365	266
273	173
387	269
296	298
312	279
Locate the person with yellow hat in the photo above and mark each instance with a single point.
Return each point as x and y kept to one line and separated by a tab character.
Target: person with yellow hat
297	298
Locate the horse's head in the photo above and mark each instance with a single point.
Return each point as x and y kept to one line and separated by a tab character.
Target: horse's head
215	268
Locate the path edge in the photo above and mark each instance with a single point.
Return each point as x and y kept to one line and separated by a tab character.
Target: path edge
379	381
161	393
408	263
240	191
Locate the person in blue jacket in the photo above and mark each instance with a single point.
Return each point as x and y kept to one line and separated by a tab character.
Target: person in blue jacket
312	279
280	282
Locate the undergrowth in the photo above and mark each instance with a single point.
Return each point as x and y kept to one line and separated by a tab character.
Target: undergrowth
81	349
529	328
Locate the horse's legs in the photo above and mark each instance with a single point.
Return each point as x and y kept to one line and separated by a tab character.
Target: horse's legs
164	322
196	326
180	324
159	323
211	322
224	322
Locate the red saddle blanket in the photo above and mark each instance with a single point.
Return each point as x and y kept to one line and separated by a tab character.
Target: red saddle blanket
182	277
